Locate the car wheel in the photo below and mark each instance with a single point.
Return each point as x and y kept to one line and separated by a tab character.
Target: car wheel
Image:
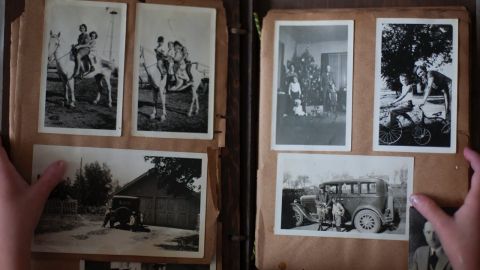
367	221
298	217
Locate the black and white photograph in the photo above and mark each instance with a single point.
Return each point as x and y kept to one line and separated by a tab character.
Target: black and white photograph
425	250
416	85
94	265
123	202
343	196
312	85
174	72
82	68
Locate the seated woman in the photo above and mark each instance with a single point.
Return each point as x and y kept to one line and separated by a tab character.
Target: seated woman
81	49
181	74
92	56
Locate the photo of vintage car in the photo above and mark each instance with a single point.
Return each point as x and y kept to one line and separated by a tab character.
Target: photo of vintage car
124	210
368	203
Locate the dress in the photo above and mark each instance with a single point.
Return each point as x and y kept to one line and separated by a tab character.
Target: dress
328	89
294	90
338	211
422	256
83	39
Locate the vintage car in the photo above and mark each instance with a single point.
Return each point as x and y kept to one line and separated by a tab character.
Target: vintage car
368	204
122	209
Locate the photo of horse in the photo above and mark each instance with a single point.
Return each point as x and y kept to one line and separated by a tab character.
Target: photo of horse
174	72
82	70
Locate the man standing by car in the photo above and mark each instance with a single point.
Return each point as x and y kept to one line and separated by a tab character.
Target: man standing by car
338	212
322	200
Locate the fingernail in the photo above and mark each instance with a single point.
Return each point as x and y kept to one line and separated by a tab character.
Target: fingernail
414	199
60	163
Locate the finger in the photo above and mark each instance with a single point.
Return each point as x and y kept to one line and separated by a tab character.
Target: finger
48	181
429	209
8	173
474	159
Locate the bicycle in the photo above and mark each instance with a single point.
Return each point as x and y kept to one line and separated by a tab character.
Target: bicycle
421	133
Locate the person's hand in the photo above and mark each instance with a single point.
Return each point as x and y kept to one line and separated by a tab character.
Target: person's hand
460	234
20	208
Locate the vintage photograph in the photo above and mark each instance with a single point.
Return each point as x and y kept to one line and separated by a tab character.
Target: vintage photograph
154	206
82	68
93	265
416	85
343	196
312	85
425	250
174	72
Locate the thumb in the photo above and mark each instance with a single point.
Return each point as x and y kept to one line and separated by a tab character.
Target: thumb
48	181
432	212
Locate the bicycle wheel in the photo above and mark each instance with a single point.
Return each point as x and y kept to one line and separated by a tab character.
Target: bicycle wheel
421	135
445	127
390	135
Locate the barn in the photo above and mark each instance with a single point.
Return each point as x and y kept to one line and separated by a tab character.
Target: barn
161	208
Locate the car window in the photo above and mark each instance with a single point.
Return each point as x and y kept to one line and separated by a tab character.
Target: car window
332	188
372	188
355	188
346	188
368	188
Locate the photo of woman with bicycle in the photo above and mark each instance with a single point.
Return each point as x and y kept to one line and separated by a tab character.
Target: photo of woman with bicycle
415	87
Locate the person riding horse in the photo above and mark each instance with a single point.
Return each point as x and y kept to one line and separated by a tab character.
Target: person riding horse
80	50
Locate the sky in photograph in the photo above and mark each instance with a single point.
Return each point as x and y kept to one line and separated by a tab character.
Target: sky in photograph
66	17
320	168
189	26
125	165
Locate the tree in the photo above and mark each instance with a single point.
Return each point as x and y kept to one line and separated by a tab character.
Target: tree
63	190
93	184
177	175
403	45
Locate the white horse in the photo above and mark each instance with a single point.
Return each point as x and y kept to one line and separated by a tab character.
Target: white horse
66	68
197	77
159	82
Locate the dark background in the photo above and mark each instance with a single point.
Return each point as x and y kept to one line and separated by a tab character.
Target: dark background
239	157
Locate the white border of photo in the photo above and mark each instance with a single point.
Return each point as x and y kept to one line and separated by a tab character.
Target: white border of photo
117	132
343	161
212	12
348	121
43	154
213	264
453	107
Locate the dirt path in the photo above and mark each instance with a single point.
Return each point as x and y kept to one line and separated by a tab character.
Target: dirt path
94	239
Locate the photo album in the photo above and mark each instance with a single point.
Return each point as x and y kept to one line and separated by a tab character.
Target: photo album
359	109
129	96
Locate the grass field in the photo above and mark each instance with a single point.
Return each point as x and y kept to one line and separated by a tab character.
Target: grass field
85	115
177	107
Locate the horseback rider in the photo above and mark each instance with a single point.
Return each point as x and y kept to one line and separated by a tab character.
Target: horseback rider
81	49
161	57
92	56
